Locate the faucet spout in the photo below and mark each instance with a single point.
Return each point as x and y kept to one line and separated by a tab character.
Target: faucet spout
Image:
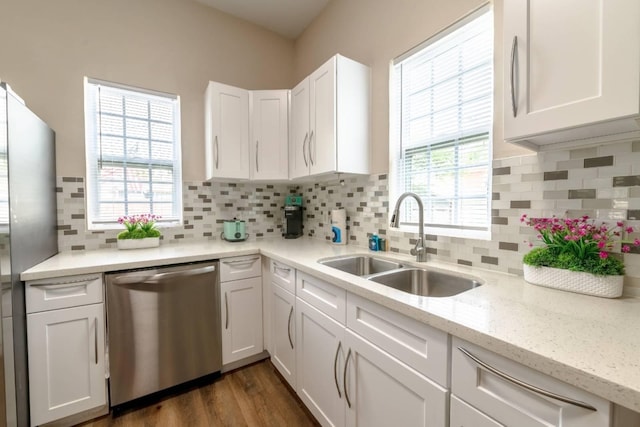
420	251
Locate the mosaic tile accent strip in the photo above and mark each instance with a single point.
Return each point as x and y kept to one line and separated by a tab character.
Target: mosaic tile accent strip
205	207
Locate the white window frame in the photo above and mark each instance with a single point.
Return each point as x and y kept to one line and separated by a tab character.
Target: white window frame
94	156
396	188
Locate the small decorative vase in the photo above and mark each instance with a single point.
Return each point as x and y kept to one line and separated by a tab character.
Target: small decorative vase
574	281
147	242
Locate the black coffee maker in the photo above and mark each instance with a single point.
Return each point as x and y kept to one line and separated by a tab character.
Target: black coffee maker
293	217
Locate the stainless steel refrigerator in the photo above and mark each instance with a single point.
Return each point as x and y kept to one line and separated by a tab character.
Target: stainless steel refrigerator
27	236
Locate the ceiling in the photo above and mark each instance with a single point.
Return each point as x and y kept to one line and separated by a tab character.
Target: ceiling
285	17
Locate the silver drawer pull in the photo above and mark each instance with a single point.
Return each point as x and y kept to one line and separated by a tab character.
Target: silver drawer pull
64	285
335	369
241	261
95	341
289	327
277	267
177	274
525	385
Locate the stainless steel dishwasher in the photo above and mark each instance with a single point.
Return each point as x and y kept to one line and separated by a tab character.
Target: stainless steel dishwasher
163	328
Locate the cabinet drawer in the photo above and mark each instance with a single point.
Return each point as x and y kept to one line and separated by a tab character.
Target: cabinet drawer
502	389
420	346
329	299
463	415
240	267
284	276
63	292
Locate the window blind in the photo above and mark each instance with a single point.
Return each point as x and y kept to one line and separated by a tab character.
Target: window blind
133	153
442	115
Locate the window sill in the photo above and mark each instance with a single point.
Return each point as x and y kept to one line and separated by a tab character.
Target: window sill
120	227
445	232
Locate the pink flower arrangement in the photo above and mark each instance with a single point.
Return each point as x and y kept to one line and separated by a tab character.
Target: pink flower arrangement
580	236
139	226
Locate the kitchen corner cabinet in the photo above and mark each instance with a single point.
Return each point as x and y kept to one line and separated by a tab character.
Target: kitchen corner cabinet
241	300
66	347
226	132
269	148
330	120
571	76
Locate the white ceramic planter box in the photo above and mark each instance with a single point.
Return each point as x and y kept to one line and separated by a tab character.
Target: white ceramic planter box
147	242
574	281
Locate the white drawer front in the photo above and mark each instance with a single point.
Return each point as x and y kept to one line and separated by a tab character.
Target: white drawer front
63	292
329	299
284	276
420	346
241	267
513	404
463	415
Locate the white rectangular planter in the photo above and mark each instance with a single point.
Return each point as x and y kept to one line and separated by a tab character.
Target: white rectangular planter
575	281
147	242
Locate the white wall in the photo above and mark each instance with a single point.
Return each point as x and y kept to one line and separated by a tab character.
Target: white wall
175	46
376	31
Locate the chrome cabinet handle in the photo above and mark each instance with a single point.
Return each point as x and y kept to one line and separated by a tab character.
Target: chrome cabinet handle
344	379
278	267
241	261
185	273
514	51
335	369
304	149
310	157
525	385
226	311
257	167
217	152
65	285
289	327
95	340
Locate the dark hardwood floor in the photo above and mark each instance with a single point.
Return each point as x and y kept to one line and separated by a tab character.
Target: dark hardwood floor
255	395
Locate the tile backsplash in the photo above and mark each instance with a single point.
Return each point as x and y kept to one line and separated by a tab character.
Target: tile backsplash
602	182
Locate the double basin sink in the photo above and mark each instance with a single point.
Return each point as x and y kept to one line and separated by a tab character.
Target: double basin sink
413	280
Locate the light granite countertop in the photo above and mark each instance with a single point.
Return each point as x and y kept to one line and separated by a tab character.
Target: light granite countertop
592	343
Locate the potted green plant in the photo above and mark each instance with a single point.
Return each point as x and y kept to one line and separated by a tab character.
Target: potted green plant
576	255
141	232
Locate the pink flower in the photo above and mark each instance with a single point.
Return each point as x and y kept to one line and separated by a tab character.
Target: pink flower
604	255
636	242
629	229
601	244
625	248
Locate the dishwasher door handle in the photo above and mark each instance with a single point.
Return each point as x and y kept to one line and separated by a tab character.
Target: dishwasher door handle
155	278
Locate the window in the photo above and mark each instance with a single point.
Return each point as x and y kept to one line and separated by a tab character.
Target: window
441	120
133	153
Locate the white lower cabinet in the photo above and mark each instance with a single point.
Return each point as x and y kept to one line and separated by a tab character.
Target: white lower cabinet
320	357
463	415
382	391
66	362
515	395
283	353
241	319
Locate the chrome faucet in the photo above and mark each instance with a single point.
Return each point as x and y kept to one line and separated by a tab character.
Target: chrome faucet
420	251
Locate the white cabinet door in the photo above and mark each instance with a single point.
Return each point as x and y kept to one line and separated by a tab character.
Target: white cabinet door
283	332
320	355
66	362
382	391
463	415
322	113
565	69
299	132
268	149
241	319
227	131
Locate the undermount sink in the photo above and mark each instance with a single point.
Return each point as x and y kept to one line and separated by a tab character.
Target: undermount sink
360	265
426	283
413	280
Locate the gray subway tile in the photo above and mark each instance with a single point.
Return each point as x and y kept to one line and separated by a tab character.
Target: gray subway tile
502	171
582	194
595	162
553	195
626	181
633	214
597	204
556	175
499	220
521	204
465	262
507	246
489	260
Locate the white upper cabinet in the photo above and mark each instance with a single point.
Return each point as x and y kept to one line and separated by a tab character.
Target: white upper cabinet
226	132
268	148
571	74
330	120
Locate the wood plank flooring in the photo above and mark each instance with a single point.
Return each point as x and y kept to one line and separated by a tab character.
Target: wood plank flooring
251	396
